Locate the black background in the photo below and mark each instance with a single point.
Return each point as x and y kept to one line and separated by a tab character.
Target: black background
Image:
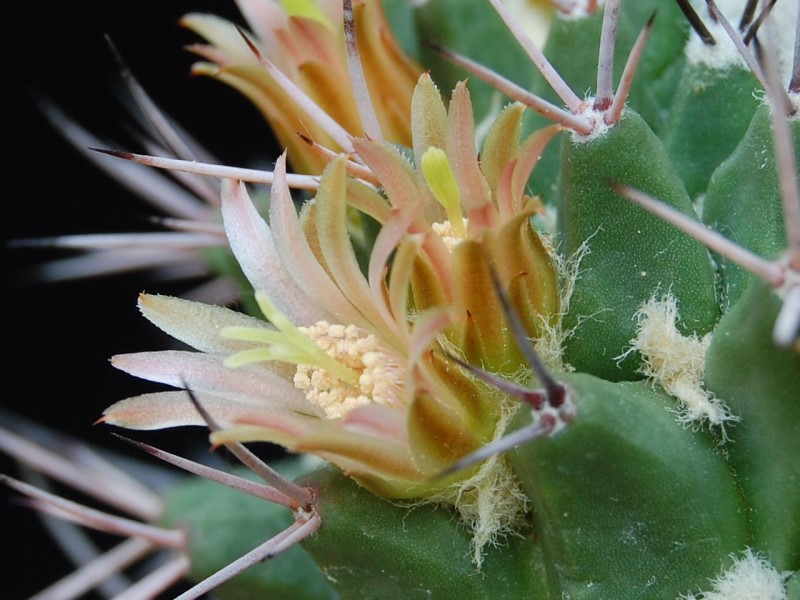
58	337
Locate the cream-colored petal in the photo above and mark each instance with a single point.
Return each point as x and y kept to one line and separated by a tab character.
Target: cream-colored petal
352	451
222	34
197	324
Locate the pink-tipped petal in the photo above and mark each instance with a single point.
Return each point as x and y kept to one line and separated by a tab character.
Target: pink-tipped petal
251	384
295	253
427	327
378	421
251	241
528	157
335	244
385	244
397	177
162	410
461	151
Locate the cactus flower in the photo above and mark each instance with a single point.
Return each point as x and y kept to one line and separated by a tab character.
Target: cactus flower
354	368
302	45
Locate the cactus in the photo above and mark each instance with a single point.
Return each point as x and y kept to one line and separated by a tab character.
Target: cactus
591	392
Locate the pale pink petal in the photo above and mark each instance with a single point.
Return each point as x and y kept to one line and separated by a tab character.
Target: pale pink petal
462	153
172	409
263	16
385	244
279	428
250	384
528	156
251	242
394	172
378	421
426	327
295	253
403	264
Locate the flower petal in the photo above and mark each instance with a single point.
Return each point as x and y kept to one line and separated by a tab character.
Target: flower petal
251	241
196	324
172	409
252	384
501	143
461	151
335	245
378	421
428	117
296	255
357	454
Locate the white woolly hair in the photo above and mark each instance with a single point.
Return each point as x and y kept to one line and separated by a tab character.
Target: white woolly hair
677	363
751	577
779	34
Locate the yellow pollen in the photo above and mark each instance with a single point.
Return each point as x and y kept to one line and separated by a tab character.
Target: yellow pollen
445	231
379	376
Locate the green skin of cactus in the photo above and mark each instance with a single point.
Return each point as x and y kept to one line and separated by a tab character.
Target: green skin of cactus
743	201
626	502
697	146
633	255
